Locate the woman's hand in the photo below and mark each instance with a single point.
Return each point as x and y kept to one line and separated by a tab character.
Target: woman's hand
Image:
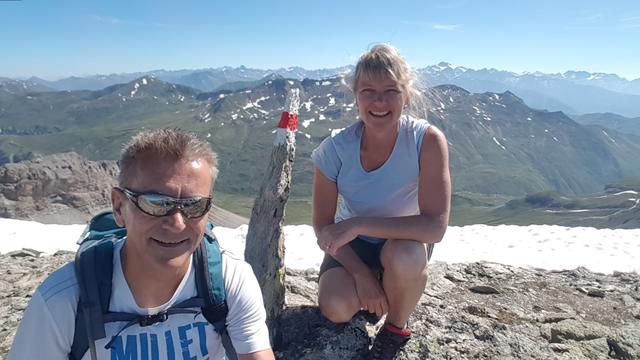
334	236
370	292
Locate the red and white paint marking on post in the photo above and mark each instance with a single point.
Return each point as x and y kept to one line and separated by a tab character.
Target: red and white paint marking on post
289	119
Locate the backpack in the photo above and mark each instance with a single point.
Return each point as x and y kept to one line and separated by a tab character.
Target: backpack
94	270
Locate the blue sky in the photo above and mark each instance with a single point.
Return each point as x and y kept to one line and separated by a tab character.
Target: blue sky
53	39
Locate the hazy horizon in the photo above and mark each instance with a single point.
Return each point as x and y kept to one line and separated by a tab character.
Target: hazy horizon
77	38
86	75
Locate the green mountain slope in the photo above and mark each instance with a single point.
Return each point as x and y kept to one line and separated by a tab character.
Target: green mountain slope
498	145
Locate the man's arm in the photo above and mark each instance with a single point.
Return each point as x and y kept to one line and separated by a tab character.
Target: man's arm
325	199
39	327
246	320
258	355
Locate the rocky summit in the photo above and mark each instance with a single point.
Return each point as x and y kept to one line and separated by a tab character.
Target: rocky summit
477	310
59	188
485	311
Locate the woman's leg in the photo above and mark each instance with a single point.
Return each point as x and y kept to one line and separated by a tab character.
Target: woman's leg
337	295
404	277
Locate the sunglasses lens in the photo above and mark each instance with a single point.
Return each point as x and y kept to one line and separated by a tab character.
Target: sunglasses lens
160	205
193	208
156	205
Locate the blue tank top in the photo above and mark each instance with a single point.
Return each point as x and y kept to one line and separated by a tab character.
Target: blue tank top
388	191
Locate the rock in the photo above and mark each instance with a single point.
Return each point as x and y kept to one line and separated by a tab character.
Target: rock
559	348
484	289
577	330
306	334
553	321
48	187
25	253
596	293
625	343
628	301
553	317
63	253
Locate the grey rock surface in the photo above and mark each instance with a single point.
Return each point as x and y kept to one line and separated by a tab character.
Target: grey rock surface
483	311
60	188
535	314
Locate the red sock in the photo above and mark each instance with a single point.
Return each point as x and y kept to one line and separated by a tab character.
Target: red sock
396	330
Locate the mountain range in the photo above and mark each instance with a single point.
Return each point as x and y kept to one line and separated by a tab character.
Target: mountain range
497	143
573	92
612	121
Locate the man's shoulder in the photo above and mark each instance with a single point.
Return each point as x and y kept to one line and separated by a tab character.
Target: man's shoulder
60	287
237	274
234	264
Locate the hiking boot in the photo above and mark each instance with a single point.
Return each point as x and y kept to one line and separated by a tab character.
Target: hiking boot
389	342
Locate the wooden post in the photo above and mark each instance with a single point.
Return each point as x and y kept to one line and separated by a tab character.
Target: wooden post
265	237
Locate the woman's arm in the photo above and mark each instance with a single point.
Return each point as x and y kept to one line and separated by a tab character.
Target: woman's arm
325	200
434	200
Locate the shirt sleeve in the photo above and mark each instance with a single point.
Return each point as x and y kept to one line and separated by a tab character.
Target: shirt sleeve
420	128
246	320
39	336
326	159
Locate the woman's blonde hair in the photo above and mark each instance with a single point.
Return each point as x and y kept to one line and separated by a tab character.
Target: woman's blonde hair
385	60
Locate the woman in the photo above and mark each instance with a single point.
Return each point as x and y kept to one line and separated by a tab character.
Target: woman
392	173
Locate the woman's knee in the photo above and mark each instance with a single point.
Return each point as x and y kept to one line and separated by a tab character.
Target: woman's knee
338	310
404	256
337	296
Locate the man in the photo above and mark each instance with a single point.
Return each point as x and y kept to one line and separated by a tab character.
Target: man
153	267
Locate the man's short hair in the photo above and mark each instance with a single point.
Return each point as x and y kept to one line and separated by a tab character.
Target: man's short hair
171	144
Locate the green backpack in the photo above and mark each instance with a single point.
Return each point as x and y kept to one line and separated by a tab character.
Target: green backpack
94	270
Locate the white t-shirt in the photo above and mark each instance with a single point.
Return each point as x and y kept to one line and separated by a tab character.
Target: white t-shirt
47	327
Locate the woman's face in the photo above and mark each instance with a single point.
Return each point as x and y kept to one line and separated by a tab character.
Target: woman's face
380	100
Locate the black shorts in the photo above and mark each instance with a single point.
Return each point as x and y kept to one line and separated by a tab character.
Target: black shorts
368	252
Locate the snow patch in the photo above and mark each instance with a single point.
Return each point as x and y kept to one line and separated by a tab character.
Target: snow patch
307	105
609	137
135	89
261	99
306	123
497	142
535	246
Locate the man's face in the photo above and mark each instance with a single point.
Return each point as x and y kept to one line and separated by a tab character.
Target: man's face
168	240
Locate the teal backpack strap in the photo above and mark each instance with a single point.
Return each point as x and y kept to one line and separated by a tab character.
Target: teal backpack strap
94	269
209	281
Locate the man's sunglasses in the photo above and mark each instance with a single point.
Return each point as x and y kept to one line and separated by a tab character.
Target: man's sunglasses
163	205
